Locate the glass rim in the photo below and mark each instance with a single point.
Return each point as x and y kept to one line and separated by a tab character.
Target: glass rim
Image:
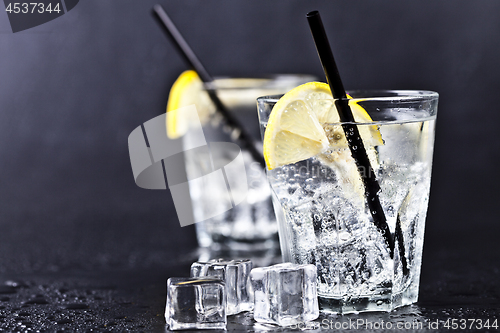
256	81
368	95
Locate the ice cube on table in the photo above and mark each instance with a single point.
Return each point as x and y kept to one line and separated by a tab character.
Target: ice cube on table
235	274
195	303
285	294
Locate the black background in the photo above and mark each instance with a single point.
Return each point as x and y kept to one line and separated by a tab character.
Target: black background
73	89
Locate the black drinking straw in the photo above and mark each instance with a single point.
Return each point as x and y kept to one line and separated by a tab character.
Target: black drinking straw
238	132
354	140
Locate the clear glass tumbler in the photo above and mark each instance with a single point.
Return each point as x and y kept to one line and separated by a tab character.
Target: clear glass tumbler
323	214
251	224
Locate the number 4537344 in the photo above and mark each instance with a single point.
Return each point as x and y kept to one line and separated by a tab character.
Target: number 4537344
32	7
470	324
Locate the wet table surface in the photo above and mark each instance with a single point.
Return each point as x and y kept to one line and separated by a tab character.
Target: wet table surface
459	286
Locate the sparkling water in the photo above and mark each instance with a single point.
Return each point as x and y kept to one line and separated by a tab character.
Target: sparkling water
324	218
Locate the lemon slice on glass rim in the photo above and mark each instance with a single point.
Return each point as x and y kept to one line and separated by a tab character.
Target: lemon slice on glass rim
305	123
188	89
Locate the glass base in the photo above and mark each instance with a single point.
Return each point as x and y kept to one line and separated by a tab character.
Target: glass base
384	303
243	245
218	242
260	257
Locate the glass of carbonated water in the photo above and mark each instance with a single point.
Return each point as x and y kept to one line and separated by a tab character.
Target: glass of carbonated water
251	224
321	207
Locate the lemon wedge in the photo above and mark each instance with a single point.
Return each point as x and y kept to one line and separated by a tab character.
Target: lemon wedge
305	123
187	90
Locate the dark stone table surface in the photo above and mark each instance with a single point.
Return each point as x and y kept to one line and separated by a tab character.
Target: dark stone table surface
459	284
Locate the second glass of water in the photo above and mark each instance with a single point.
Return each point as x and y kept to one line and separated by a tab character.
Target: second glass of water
251	224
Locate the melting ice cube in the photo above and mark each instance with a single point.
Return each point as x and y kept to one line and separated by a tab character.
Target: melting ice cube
195	303
235	274
285	294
